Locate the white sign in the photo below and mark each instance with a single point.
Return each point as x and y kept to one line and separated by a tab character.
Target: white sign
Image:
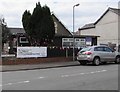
68	42
29	52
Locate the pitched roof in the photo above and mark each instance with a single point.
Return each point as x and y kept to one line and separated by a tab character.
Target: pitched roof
117	11
67	31
92	25
114	10
88	26
15	31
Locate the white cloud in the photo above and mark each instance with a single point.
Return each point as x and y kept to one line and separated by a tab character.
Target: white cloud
88	11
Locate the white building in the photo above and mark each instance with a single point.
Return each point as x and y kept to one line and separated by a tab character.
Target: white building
107	27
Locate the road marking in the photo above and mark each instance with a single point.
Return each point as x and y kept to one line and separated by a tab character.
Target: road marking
40	77
9	84
15	83
72	75
92	72
26	81
83	73
64	75
98	71
104	70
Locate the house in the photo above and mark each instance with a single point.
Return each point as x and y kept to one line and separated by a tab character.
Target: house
19	37
62	33
106	27
60	29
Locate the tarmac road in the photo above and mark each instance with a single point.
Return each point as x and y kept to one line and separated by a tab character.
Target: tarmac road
89	77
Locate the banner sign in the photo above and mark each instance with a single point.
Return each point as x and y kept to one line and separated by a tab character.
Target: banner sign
29	52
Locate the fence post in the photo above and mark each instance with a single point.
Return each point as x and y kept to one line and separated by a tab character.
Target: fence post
66	53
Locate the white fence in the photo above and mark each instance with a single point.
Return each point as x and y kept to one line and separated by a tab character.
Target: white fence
8	55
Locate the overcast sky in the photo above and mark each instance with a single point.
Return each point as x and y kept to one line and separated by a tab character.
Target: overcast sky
87	12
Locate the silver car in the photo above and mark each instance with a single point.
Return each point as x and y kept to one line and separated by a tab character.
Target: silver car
97	55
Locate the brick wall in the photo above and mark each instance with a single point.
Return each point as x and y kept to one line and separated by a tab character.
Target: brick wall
11	61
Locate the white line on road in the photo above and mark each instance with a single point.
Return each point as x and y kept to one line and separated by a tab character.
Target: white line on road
15	83
92	72
83	73
65	75
103	70
98	71
27	81
40	77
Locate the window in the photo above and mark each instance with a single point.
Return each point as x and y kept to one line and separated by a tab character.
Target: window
85	49
77	39
107	49
56	27
23	40
98	49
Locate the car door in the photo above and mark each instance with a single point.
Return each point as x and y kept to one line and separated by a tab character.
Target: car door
99	51
109	54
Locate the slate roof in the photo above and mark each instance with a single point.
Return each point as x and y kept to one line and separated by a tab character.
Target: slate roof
15	31
88	26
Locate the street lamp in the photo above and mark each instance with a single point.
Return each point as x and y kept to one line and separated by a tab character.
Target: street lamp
0	39
73	32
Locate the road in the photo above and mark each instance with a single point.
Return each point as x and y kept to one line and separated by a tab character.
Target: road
88	77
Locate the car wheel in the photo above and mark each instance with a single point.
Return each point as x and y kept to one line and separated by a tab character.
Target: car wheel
96	61
117	60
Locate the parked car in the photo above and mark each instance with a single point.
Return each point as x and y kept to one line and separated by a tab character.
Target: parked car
97	55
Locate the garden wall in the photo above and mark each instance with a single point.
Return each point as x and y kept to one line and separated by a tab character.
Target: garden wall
13	61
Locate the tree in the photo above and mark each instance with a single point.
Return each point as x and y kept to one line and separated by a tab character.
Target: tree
25	20
48	29
5	32
39	25
6	35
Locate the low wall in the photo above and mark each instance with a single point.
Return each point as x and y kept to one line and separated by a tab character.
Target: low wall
14	61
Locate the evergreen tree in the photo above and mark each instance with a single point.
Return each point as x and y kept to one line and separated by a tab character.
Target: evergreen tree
25	20
48	28
39	25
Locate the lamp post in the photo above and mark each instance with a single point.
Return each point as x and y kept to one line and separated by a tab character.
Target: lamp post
73	32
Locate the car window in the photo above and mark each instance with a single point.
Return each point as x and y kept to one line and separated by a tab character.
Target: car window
85	49
98	49
107	49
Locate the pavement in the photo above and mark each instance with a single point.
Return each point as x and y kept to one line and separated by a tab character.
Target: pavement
6	68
